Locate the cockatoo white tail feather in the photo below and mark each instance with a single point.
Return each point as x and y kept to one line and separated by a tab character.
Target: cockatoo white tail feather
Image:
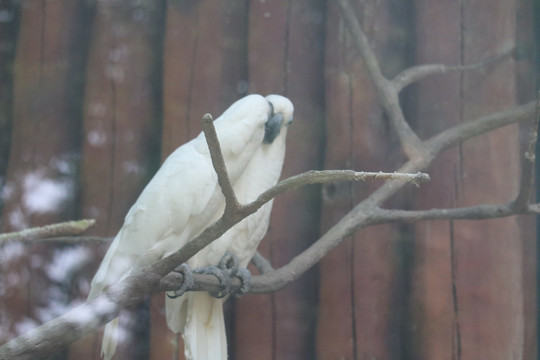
181	200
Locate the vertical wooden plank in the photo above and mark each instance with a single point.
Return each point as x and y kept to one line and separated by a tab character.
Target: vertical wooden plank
285	57
432	329
488	255
360	301
120	137
204	72
204	65
468	293
266	30
525	87
40	182
8	42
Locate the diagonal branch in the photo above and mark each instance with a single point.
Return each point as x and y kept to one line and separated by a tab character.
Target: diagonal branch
218	162
464	131
387	92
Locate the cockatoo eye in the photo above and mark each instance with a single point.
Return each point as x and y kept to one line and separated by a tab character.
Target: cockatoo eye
289	121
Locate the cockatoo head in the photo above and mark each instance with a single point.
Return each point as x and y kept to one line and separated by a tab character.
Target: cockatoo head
281	116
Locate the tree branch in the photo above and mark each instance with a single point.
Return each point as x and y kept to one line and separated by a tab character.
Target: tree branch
526	186
49	231
387	92
261	263
420	72
218	162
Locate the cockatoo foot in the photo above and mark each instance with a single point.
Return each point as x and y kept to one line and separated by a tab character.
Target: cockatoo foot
227	268
187	284
223	276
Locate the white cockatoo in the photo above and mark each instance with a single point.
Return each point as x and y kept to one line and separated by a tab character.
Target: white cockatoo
183	198
198	315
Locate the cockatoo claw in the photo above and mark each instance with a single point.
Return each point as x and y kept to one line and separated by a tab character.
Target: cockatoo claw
229	263
245	277
187	284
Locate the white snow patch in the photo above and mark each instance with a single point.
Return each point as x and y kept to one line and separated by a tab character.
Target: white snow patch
17	219
65	261
131	167
41	194
96	138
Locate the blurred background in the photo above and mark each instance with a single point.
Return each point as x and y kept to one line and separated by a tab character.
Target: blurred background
95	94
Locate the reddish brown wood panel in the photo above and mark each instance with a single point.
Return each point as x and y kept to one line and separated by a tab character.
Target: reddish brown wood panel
488	257
525	86
360	301
468	281
40	183
120	136
204	65
431	327
8	43
285	55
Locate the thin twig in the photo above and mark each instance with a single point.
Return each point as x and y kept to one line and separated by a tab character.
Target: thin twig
49	231
470	129
330	176
526	186
420	72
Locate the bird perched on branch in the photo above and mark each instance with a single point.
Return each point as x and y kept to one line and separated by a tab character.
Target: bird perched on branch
183	198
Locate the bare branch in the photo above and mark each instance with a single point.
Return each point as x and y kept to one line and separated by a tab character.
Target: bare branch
526	185
330	176
49	231
273	280
74	240
534	208
467	130
44	341
218	162
261	263
387	92
420	72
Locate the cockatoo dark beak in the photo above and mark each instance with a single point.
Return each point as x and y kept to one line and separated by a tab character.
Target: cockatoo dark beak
272	128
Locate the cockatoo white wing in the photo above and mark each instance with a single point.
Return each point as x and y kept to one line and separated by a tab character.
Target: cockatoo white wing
157	215
204	328
181	200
